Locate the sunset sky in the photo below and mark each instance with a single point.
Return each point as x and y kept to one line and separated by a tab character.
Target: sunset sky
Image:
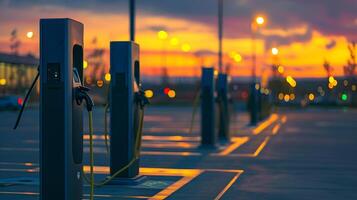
306	32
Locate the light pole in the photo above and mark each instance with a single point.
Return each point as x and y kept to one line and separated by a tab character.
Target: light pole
254	100
220	34
132	19
163	36
256	23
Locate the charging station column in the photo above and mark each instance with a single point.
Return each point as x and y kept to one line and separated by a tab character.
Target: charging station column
125	82
61	121
208	133
222	91
253	104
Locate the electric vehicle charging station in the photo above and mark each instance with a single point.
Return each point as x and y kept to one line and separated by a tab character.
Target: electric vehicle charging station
61	120
222	92
125	111
208	118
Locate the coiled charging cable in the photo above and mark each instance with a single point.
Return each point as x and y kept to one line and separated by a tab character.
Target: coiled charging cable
141	101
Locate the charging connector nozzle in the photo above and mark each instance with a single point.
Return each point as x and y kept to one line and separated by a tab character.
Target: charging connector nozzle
81	93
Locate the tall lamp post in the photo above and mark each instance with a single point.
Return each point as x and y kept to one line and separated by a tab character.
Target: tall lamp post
163	36
256	23
132	19
220	35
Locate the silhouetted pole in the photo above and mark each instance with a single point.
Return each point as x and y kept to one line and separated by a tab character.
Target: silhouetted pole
132	19
253	96
220	34
254	59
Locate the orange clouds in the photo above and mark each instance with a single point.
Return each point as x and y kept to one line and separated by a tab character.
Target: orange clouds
300	58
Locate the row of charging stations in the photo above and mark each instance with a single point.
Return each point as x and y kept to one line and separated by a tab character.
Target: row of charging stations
61	109
215	115
61	116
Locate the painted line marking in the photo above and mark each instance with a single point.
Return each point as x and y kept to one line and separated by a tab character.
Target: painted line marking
19	164
237	142
219	196
276	129
187	176
20	193
256	153
172	188
284	119
265	124
85	195
100	150
174	138
182	145
168	153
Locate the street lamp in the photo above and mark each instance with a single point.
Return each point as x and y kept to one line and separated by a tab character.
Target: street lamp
186	47
29	35
254	101
275	51
259	21
220	35
163	36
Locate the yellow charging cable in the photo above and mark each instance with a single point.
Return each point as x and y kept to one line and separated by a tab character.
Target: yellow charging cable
91	159
195	108
106	132
91	155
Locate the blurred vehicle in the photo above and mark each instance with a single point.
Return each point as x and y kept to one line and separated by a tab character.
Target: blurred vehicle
10	102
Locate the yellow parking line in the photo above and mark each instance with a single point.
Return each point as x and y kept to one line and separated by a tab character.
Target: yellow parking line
187	176
237	142
261	147
85	195
182	145
171	138
219	196
173	188
153	137
172	153
265	124
276	129
20	193
225	170
284	119
256	153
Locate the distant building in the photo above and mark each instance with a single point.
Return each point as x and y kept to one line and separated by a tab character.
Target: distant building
16	72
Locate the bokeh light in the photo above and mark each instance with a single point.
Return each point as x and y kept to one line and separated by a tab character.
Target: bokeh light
162	35
171	94
149	93
260	20
107	77
29	35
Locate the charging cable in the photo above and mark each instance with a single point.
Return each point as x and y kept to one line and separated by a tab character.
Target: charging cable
80	94
26	98
194	111
140	101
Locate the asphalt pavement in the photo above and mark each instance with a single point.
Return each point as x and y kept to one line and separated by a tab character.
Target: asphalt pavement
294	154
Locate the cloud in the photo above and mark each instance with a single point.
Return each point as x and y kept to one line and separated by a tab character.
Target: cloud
330	17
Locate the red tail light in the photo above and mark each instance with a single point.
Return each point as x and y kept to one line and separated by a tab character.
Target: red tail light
166	90
20	101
